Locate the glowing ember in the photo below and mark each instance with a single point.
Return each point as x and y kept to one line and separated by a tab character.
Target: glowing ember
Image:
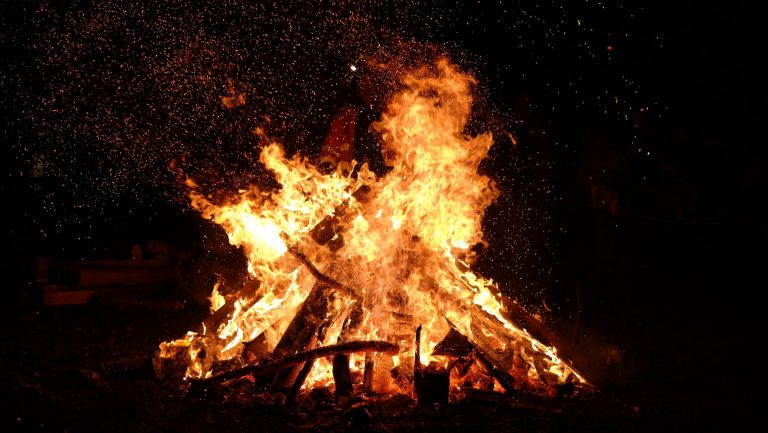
387	254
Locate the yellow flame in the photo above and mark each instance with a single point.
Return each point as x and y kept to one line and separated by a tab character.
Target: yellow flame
404	252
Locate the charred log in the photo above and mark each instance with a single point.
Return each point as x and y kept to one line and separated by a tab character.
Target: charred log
299	382
343	381
417	361
433	385
320	352
493	368
321	234
301	333
368	372
321	276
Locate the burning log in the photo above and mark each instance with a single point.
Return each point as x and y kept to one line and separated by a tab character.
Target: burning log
434	385
430	383
343	381
505	380
395	259
417	360
248	291
320	352
320	235
301	333
491	365
299	381
319	275
368	372
328	231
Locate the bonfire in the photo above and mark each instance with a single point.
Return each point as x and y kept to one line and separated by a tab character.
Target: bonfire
364	283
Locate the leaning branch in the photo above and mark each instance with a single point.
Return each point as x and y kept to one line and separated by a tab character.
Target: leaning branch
320	352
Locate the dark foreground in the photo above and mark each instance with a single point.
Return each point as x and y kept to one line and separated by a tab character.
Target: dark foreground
679	306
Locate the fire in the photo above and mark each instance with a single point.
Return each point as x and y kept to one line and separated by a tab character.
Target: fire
396	250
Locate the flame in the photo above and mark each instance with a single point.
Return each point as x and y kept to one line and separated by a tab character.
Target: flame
404	253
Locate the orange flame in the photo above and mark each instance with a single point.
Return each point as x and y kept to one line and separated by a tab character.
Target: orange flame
405	252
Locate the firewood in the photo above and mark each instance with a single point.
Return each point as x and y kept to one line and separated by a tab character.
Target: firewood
417	361
368	372
301	333
258	348
522	319
341	373
248	291
481	356
320	352
300	378
505	380
433	385
430	383
328	231
454	345
343	381
320	276
172	367
321	234
518	315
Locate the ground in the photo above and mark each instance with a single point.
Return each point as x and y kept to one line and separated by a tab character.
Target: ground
677	300
55	363
85	369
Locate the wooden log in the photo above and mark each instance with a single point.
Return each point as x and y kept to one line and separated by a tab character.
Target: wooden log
301	334
430	383
173	366
417	362
341	374
259	348
433	385
300	378
304	325
321	234
368	372
518	315
321	276
343	381
328	230
481	356
454	345
505	380
320	352
523	319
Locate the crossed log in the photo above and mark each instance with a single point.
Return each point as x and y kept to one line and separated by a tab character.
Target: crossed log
293	356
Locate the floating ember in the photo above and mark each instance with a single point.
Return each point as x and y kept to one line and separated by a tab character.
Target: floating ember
346	266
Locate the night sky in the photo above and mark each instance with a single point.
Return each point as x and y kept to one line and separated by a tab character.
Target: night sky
108	104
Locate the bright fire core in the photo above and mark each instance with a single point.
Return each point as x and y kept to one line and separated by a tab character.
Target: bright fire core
402	250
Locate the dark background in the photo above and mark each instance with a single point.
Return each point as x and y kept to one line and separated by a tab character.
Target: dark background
653	108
